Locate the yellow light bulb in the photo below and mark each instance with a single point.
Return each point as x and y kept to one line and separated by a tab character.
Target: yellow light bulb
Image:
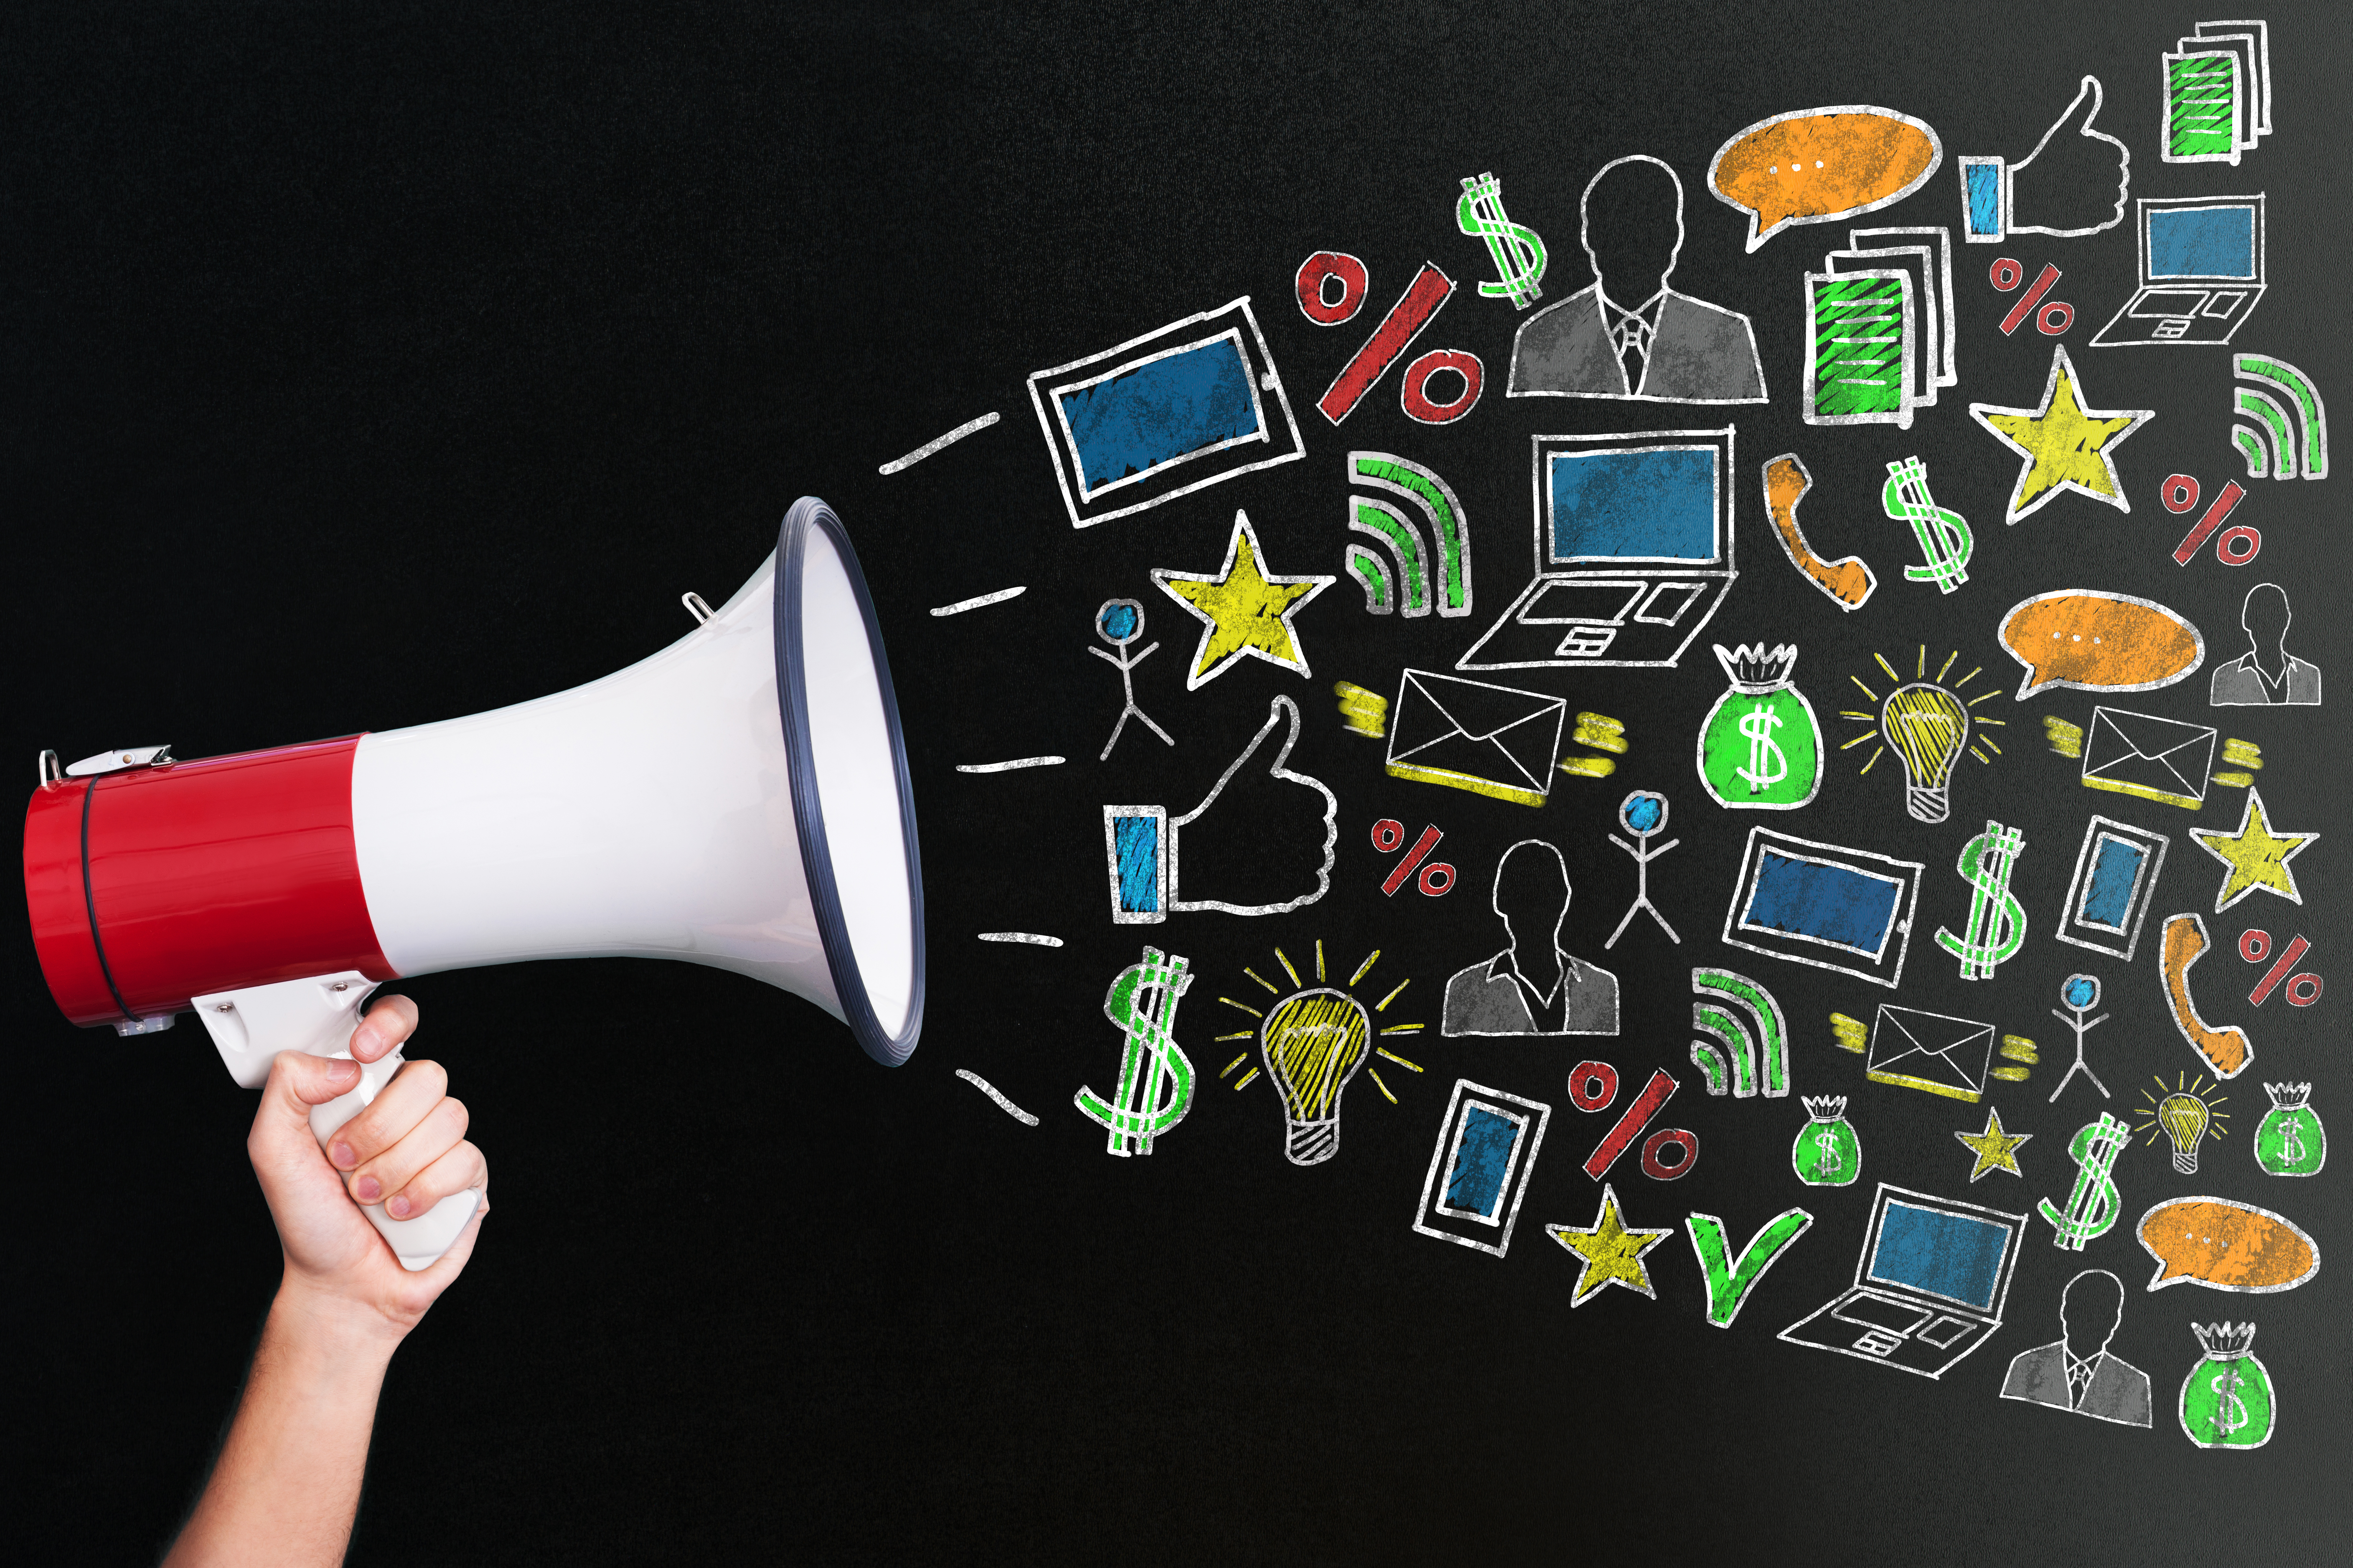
2183	1117
1929	728
1313	1042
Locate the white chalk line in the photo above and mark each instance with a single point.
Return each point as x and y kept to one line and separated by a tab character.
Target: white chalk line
928	448
960	605
1031	936
1016	763
989	1089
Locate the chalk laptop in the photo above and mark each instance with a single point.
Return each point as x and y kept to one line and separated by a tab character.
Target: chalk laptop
1928	1288
2201	271
1633	547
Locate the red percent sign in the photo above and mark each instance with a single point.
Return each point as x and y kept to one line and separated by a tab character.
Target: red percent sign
2303	991
2238	545
1436	877
1421	302
1638	1115
2055	318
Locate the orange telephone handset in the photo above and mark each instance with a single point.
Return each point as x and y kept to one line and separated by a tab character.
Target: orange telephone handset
1849	580
2227	1050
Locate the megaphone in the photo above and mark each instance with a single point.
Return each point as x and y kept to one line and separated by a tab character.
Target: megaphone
739	799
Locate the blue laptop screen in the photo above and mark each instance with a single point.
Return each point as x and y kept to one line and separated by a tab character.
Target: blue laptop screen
2202	242
1647	504
1957	1256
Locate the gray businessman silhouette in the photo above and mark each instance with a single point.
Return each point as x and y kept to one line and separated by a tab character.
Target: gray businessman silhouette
1629	334
2076	1372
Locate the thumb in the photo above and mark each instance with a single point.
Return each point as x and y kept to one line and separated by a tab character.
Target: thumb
299	1081
280	1144
1281	714
2078	115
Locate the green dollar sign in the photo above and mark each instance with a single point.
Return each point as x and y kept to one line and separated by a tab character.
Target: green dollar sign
1141	1002
1519	254
1996	924
1944	535
2092	1205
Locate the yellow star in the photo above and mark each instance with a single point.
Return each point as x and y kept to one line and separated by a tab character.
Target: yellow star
1241	609
1609	1253
1995	1150
2067	446
2257	857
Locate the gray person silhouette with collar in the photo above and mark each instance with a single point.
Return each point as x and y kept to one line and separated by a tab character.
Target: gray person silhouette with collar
1532	987
2076	1373
1630	335
2268	675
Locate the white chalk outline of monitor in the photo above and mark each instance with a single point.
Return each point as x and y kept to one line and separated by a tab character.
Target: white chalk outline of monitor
1285	445
1055	395
1876	968
1717	441
1953	1208
2150	206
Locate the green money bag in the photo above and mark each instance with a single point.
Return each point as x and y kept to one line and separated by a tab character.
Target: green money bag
1827	1153
2226	1400
2289	1141
1760	746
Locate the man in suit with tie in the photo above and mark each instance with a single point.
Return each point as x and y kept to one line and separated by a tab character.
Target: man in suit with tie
2077	1373
1629	335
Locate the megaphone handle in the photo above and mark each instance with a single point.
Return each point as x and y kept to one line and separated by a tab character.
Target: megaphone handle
418	1243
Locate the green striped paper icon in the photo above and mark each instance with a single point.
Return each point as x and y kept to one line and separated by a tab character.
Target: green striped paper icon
2203	114
1863	347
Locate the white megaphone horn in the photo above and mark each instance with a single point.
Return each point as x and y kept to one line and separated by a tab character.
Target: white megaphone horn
739	799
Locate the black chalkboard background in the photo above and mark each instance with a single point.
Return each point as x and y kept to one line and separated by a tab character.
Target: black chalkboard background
371	366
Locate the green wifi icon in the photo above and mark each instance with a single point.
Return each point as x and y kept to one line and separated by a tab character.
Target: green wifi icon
1431	557
2281	399
1729	1062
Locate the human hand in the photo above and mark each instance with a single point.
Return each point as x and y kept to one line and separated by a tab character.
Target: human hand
287	1486
406	1151
2074	181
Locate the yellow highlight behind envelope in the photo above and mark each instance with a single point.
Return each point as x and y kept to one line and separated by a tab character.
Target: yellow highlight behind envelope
1494	741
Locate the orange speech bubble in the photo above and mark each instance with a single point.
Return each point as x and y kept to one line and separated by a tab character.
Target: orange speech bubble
2226	1245
1813	165
2099	642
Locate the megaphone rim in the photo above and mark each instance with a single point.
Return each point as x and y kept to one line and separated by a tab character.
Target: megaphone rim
807	515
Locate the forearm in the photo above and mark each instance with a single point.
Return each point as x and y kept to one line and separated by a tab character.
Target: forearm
288	1482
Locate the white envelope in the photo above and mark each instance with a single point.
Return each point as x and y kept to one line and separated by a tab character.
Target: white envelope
1467	734
2142	755
1943	1055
